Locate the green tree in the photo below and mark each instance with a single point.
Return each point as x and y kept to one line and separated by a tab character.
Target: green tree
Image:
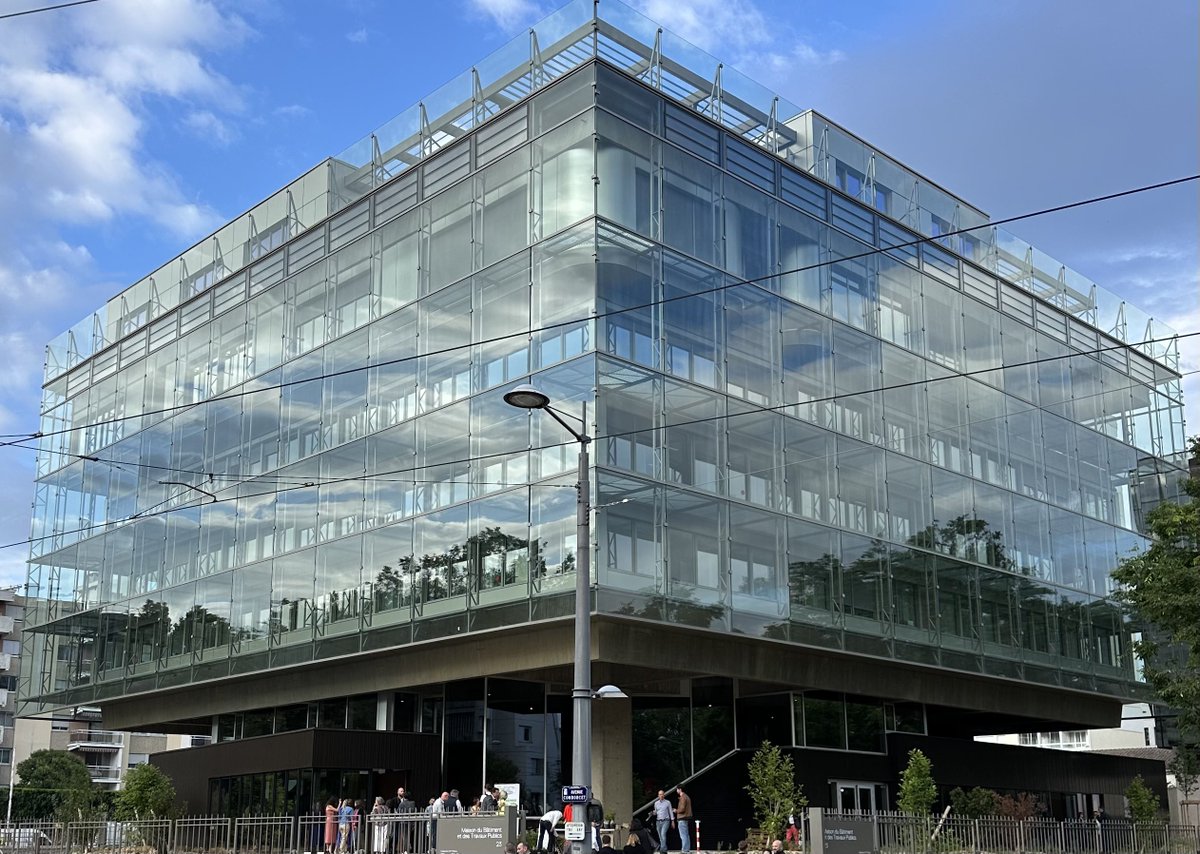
1143	803
975	803
148	792
62	772
918	792
1162	587
1185	766
773	789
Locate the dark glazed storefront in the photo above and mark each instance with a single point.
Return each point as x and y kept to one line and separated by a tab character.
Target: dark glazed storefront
294	773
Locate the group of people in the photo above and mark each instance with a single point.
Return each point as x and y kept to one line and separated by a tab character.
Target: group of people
665	816
345	823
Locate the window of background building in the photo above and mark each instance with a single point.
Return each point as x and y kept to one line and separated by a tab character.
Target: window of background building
11	647
136	759
6	719
6	756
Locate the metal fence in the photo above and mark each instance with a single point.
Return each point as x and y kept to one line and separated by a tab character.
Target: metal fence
412	833
898	833
416	833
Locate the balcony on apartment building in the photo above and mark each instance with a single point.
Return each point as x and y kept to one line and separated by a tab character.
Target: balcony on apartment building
105	773
95	741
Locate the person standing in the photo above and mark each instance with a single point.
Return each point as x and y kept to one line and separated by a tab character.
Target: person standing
683	819
379	826
664	817
547	840
331	823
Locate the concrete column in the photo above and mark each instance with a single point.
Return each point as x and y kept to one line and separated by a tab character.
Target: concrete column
612	758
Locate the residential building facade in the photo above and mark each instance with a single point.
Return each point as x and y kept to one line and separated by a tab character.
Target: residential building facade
12	619
860	476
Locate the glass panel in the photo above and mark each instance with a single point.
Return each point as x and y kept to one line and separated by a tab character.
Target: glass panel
691	206
824	720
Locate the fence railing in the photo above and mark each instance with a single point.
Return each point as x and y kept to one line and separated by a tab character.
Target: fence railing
898	833
403	833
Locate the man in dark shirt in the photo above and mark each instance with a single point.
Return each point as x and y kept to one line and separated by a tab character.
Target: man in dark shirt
683	819
401	836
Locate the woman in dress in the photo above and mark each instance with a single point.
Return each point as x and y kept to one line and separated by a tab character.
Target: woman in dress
331	816
379	827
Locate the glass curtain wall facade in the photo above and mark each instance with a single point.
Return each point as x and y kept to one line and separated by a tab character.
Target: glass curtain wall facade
824	428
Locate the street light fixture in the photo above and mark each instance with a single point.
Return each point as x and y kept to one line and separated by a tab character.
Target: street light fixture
528	397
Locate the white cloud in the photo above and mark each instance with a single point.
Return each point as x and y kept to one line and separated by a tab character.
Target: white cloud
506	14
358	36
78	94
292	111
1141	254
209	127
72	106
724	26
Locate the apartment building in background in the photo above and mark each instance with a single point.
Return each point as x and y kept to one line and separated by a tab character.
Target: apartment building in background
862	462
107	754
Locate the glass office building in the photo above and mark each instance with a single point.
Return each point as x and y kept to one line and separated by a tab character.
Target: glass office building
862	465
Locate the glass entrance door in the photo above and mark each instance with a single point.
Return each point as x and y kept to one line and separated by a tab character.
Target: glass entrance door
858	796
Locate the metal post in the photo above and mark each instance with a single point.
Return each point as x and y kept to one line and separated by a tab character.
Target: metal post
581	753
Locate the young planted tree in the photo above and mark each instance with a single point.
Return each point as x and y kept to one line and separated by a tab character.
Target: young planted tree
773	789
918	792
148	793
1185	766
1143	803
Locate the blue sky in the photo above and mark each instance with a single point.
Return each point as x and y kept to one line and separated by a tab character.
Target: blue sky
129	129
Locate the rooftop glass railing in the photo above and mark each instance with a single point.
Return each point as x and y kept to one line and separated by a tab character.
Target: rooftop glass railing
577	33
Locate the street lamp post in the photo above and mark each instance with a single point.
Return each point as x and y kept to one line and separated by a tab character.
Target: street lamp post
528	397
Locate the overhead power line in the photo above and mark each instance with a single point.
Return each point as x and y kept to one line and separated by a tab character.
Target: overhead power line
45	9
225	397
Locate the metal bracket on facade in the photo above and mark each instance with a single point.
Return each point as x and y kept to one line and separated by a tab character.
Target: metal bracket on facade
867	193
1061	296
655	69
1147	345
377	170
99	342
155	298
820	166
479	111
770	137
716	96
219	268
537	70
912	216
1121	327
1089	315
426	137
294	226
1027	266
